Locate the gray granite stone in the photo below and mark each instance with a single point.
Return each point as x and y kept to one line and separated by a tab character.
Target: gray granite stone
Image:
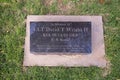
96	56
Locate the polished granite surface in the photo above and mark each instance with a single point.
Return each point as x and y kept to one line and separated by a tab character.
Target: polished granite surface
60	37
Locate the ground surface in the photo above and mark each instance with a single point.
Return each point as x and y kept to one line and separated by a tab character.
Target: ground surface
12	33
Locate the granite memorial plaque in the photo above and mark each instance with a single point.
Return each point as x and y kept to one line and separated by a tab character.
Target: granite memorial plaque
64	41
60	37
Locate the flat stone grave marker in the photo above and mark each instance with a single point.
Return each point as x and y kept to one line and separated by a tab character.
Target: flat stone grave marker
64	41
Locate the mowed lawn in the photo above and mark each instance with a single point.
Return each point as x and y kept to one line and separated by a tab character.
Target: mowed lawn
13	15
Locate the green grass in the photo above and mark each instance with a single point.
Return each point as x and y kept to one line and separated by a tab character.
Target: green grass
12	34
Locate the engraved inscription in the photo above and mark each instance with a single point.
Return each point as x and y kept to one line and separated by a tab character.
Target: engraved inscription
66	37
